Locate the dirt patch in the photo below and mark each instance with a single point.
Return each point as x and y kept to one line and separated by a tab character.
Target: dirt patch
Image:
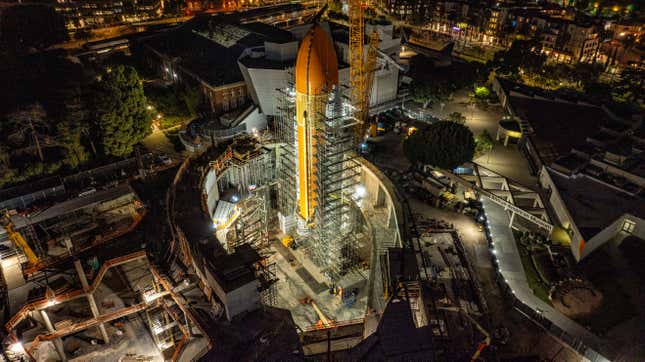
576	298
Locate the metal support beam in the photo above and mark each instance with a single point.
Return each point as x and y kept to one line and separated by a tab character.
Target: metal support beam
90	295
58	343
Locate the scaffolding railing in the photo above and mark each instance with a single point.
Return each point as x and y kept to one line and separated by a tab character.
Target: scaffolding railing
333	247
285	132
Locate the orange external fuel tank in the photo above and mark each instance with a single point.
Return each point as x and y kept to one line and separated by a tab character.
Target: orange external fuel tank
316	77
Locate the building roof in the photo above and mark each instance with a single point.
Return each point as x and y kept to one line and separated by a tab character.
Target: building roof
264	63
557	126
235	270
209	46
75	204
511	87
316	63
397	338
594	205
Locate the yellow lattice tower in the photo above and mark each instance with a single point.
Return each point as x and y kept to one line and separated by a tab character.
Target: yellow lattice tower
369	70
356	58
361	68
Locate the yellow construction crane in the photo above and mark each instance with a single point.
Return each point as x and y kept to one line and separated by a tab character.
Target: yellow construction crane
361	68
20	241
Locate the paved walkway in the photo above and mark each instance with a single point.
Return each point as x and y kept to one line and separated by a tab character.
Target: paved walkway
510	266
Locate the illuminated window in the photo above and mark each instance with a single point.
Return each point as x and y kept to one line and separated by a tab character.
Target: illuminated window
629	226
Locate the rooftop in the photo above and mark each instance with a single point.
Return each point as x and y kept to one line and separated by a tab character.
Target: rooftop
209	46
595	205
560	94
558	126
235	270
72	205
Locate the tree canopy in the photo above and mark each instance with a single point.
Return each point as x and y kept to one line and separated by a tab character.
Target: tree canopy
442	144
120	110
432	84
482	92
457	117
520	56
483	143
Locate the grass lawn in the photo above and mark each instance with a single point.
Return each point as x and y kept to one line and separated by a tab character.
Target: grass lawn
544	266
539	288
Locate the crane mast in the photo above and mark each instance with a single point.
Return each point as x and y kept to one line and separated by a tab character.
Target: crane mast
361	68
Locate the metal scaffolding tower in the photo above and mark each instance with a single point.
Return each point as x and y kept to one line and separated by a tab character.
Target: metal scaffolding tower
333	245
286	157
252	226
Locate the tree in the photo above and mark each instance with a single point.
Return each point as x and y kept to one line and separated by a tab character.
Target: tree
30	119
192	98
120	110
69	137
483	143
482	93
5	158
457	117
426	93
522	55
581	5
631	86
442	144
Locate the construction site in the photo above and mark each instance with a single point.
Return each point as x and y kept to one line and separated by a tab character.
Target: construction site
78	283
295	197
274	245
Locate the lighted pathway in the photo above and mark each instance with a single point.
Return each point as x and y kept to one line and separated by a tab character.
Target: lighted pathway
510	266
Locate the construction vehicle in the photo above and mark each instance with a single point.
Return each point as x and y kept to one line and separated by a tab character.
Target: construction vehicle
19	241
289	242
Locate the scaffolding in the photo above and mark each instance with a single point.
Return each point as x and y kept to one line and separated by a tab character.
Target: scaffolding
266	274
286	157
333	245
252	226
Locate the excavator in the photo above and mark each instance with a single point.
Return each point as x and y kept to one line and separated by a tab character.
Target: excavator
19	241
